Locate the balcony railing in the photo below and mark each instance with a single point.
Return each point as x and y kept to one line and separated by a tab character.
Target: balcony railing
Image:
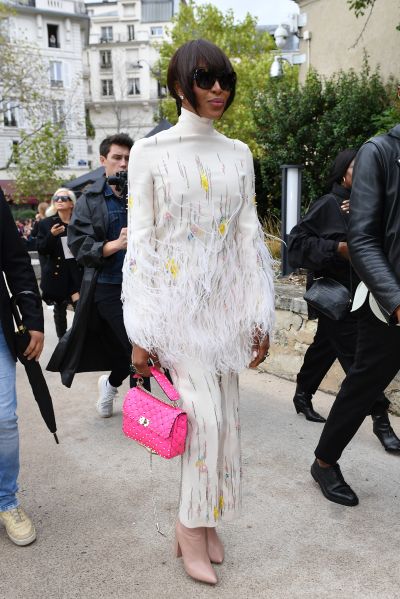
140	36
31	3
56	83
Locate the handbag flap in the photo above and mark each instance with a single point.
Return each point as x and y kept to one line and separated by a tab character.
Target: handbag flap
151	413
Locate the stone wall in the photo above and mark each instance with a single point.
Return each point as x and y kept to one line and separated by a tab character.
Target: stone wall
293	334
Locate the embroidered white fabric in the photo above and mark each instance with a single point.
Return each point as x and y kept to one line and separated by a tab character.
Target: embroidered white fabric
198	278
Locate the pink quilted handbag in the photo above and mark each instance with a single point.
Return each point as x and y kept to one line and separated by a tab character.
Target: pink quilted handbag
159	426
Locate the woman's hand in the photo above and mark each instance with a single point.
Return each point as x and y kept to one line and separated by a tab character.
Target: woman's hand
343	250
259	349
345	206
140	357
57	229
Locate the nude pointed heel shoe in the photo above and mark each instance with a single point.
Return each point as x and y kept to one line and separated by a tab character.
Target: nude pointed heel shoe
191	544
215	547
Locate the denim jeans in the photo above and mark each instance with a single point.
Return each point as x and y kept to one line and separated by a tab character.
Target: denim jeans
9	440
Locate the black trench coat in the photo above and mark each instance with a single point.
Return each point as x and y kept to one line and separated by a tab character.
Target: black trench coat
16	269
313	242
84	347
61	277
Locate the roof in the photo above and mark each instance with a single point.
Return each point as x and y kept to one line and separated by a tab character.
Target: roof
79	185
163	125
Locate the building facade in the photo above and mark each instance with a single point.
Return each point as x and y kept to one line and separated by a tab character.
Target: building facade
58	30
122	87
335	39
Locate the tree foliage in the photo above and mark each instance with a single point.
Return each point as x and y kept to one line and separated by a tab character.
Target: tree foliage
246	46
24	91
359	7
22	72
309	124
40	154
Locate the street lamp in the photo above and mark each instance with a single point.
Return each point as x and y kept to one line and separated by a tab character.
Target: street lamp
290	207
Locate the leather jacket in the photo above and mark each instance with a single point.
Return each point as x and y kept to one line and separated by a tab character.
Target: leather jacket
374	226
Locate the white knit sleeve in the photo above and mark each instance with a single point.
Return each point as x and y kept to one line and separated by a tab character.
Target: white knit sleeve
257	261
141	246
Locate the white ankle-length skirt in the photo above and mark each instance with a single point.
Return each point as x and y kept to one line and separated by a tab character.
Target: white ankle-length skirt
211	464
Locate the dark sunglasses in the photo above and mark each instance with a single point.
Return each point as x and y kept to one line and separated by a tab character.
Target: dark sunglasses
62	198
206	79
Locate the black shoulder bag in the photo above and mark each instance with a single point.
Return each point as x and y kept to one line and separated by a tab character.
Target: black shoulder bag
330	297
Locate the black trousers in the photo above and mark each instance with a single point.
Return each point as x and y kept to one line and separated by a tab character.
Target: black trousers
60	317
333	339
109	306
376	362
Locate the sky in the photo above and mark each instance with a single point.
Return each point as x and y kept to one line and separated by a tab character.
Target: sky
269	12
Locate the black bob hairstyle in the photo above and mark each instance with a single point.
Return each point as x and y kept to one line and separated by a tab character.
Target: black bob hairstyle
340	166
194	54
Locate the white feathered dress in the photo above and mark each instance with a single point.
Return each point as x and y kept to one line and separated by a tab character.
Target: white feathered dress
197	284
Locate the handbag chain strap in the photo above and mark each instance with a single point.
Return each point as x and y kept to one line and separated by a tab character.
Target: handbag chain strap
174	397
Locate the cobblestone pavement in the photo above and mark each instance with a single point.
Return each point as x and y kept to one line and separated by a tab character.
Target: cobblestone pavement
90	498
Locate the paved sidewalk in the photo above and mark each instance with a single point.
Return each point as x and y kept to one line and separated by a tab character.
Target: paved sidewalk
90	498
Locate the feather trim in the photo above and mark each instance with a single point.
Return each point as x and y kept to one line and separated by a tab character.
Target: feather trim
199	300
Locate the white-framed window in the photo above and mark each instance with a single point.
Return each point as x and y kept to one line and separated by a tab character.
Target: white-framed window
161	90
56	73
58	112
131	33
53	36
134	86
107	87
106	34
11	115
15	152
156	31
105	59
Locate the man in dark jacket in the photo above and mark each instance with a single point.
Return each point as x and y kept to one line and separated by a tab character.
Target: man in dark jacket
17	272
375	253
97	236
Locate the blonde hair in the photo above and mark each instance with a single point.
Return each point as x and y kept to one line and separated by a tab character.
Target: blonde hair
51	210
42	207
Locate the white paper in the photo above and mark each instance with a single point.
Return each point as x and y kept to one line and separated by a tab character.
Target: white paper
67	252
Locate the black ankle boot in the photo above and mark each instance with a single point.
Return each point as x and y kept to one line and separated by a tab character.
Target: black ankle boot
302	403
385	433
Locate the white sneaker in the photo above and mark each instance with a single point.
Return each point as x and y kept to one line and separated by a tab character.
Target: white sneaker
107	394
19	526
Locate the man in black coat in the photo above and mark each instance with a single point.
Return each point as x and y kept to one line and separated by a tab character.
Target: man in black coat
16	273
374	231
97	236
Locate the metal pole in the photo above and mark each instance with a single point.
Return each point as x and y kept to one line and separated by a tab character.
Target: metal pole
290	207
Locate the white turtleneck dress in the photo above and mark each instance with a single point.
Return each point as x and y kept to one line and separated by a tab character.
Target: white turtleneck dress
197	284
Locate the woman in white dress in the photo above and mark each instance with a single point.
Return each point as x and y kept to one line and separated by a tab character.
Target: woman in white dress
198	287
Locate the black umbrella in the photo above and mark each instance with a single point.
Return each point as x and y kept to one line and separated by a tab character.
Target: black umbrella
34	371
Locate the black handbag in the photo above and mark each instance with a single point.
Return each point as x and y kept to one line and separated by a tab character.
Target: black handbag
329	297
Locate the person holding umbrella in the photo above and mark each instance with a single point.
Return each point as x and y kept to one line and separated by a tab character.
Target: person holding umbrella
18	275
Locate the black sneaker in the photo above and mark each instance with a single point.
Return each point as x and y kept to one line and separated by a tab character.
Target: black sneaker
333	485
